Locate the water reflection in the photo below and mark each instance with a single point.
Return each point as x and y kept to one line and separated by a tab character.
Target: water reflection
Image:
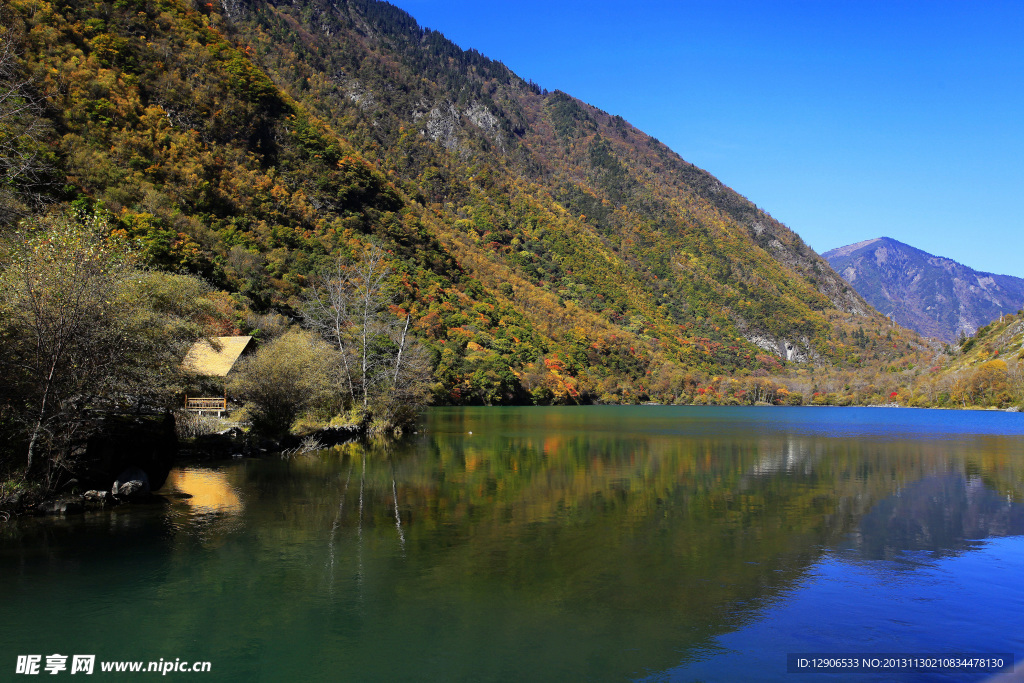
660	539
576	544
207	489
205	505
941	514
794	455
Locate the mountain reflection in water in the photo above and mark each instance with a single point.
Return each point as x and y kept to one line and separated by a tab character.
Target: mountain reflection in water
590	543
941	514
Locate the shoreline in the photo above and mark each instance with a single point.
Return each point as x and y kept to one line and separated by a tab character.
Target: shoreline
30	501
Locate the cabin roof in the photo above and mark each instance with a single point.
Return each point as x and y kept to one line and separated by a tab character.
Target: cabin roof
215	356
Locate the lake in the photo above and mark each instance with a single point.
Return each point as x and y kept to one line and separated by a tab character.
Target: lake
603	543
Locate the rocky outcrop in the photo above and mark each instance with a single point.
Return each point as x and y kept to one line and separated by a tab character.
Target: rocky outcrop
132	483
62	506
794	351
443	125
129	491
446	124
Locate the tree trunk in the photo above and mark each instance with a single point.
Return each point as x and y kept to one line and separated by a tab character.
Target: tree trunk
401	349
42	416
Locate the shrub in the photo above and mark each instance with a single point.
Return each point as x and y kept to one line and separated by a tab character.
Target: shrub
295	372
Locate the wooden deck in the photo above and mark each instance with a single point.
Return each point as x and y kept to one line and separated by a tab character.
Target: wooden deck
202	405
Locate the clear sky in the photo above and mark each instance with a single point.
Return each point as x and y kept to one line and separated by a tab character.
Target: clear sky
844	119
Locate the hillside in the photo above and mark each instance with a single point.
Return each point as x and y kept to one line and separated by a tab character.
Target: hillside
932	295
547	250
988	371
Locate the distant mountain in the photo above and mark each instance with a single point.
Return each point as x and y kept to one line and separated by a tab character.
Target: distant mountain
933	295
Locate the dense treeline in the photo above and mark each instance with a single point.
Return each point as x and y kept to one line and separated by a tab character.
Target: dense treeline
85	330
88	331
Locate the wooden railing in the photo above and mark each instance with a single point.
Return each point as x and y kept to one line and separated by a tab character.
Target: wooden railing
199	404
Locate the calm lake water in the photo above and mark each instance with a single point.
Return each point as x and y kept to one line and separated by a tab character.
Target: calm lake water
553	544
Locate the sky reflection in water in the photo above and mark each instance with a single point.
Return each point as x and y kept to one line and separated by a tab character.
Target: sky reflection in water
606	543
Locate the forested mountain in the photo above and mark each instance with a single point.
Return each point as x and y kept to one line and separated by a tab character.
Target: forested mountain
933	295
546	250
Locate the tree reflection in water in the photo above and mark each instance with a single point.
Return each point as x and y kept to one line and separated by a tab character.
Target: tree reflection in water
582	543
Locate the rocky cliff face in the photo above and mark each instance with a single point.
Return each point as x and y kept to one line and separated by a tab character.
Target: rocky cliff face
933	295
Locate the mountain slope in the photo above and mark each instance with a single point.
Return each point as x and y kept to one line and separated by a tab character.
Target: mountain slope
933	295
471	130
988	370
545	248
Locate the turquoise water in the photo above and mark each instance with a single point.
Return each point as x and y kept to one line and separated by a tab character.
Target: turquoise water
552	544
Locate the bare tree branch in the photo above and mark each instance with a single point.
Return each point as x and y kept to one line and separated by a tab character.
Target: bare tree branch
385	369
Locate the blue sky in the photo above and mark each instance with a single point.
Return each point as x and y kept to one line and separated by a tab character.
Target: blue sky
845	120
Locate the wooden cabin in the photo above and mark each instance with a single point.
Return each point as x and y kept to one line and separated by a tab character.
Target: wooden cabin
214	357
